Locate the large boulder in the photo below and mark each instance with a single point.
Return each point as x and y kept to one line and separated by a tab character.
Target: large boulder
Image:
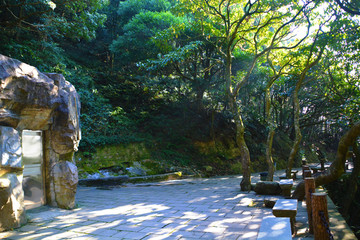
12	202
32	100
65	129
267	188
66	179
10	148
12	211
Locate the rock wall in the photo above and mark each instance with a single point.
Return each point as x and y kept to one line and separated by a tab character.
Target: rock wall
12	212
10	143
33	100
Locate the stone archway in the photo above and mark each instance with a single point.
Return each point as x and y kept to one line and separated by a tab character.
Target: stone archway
33	100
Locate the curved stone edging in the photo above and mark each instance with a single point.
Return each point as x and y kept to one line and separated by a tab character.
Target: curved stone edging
108	181
113	181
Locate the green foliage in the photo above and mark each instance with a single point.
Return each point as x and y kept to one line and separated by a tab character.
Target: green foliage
46	56
177	56
128	9
101	125
176	104
117	154
55	19
135	44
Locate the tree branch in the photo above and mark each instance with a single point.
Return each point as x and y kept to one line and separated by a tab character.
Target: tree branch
347	9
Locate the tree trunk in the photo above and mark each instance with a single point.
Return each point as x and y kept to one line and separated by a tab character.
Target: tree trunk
337	168
298	86
245	184
298	135
199	99
269	159
212	129
352	185
270	137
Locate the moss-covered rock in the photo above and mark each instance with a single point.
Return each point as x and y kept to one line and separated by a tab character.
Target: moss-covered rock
122	155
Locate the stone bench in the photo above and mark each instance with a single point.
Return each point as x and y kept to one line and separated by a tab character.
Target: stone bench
286	185
286	208
267	188
275	228
293	175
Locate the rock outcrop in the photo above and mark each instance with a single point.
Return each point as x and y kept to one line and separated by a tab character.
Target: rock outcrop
10	144
33	100
12	212
66	179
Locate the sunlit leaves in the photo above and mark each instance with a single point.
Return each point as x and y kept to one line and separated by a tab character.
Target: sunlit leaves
51	4
176	56
128	9
136	43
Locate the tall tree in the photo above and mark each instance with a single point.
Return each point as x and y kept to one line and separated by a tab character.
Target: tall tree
188	57
256	27
277	71
340	72
337	167
313	58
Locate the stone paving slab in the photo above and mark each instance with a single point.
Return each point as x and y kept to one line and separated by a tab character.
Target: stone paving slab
213	208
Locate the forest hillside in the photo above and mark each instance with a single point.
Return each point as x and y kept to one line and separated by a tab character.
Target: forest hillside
202	87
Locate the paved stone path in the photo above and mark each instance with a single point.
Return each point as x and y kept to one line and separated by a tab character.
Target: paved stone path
212	208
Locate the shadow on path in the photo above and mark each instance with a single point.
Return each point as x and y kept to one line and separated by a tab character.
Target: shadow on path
212	208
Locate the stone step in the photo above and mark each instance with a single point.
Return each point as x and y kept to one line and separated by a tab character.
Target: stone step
275	228
286	208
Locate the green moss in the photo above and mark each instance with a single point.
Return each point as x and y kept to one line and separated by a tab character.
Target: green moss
153	167
281	163
111	155
67	157
236	168
226	150
222	155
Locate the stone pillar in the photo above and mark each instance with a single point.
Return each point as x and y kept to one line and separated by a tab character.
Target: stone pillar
307	174
309	190
65	181
12	210
286	185
304	168
50	159
61	176
320	216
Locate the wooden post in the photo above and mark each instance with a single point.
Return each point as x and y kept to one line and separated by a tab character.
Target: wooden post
309	189
320	216
307	173
304	168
